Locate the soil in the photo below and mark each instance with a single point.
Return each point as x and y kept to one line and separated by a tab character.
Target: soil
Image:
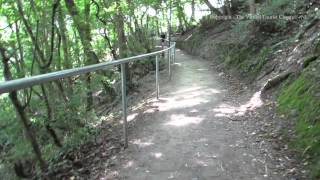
206	125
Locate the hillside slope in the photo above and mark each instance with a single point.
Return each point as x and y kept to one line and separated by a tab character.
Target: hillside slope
281	59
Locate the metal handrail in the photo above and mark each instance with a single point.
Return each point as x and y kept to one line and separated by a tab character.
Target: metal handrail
17	84
22	83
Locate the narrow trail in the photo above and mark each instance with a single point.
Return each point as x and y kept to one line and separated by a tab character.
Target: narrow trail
187	133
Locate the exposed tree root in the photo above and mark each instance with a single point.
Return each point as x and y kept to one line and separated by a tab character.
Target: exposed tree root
267	72
307	62
283	76
308	26
276	80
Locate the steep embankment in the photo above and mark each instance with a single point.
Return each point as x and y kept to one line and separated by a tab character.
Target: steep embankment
282	59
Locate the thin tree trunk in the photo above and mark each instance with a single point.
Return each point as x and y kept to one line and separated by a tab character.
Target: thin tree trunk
192	18
122	41
252	6
64	39
20	111
21	56
228	7
212	9
29	30
83	27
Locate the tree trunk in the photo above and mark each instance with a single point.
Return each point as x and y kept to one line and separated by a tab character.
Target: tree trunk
181	16
227	5
21	56
67	62
212	9
122	41
252	6
29	31
20	111
64	39
83	27
192	18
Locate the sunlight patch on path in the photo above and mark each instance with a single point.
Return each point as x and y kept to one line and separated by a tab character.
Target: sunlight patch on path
226	110
141	144
186	97
157	155
182	120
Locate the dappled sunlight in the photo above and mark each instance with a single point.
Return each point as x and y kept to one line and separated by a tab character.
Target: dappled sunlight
226	110
181	103
177	64
204	92
195	94
141	143
196	89
157	155
184	98
202	69
213	91
201	163
132	117
128	164
255	101
148	111
187	90
182	120
194	111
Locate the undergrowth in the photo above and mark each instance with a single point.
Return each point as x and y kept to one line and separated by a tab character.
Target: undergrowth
302	97
246	60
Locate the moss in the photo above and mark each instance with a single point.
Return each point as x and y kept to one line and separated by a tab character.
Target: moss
247	61
301	96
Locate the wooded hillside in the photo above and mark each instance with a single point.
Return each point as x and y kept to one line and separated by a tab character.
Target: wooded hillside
273	44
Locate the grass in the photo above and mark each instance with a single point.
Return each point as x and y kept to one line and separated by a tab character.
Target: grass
245	60
302	97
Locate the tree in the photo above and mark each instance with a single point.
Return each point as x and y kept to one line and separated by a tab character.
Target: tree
39	37
20	109
212	9
252	5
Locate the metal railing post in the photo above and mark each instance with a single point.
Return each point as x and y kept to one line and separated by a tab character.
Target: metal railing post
174	53
169	63
172	57
124	104
157	77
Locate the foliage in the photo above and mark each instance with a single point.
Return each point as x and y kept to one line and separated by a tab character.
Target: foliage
38	37
245	59
302	97
207	22
283	9
241	30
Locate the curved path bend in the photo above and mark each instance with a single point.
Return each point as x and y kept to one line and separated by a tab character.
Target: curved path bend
187	134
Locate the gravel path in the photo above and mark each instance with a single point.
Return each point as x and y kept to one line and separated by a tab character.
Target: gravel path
191	133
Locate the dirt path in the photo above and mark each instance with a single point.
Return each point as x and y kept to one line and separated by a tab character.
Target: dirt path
191	133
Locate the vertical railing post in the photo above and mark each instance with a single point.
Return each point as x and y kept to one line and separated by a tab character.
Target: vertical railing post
169	63
172	58
157	76
124	104
174	53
